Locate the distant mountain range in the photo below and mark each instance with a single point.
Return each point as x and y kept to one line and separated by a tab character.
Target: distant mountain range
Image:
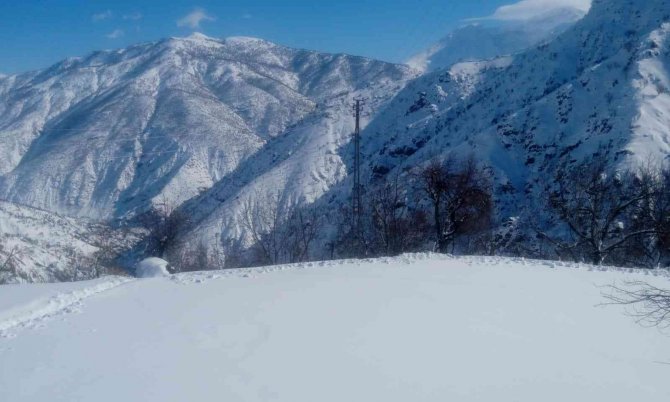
111	133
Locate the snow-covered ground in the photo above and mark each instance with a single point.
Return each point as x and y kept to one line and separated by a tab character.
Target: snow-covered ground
414	328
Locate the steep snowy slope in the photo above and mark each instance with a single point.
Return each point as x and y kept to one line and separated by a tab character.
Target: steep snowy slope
489	39
101	135
417	105
601	87
413	328
298	168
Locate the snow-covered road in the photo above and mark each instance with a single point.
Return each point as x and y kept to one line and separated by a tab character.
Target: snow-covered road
415	328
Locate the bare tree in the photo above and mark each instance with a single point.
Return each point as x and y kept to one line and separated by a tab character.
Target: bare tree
596	206
194	258
302	227
395	226
460	197
281	230
660	214
434	178
389	215
662	218
348	242
164	223
9	261
650	304
262	218
652	216
232	250
111	247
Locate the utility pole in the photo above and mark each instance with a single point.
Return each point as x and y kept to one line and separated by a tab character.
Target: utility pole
356	194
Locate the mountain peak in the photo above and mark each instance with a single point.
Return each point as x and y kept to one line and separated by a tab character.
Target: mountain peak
199	36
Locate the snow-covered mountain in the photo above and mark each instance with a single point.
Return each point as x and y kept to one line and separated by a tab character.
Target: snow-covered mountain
600	87
487	39
307	162
119	130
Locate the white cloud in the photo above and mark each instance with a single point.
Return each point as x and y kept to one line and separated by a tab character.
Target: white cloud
247	16
115	34
133	16
526	9
105	15
194	18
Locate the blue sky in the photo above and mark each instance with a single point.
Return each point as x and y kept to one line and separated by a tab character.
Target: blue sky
37	33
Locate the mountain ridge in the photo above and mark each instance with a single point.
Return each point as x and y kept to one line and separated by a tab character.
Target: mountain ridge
242	92
598	87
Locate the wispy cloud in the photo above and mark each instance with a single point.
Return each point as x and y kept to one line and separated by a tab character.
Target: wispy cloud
194	19
247	16
133	16
105	15
115	34
527	9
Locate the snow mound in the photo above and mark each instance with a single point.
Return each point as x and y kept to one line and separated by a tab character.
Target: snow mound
152	268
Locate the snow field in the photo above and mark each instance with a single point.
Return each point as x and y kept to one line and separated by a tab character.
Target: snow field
419	328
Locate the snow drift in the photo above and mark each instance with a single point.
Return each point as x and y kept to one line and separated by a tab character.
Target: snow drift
152	268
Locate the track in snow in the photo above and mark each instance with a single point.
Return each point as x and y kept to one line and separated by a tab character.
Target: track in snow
55	306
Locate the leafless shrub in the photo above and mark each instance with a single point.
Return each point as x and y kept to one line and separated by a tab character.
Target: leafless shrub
650	305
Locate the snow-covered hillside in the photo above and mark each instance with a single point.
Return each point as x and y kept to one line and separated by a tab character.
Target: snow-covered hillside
419	328
307	162
40	246
487	39
599	88
103	135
